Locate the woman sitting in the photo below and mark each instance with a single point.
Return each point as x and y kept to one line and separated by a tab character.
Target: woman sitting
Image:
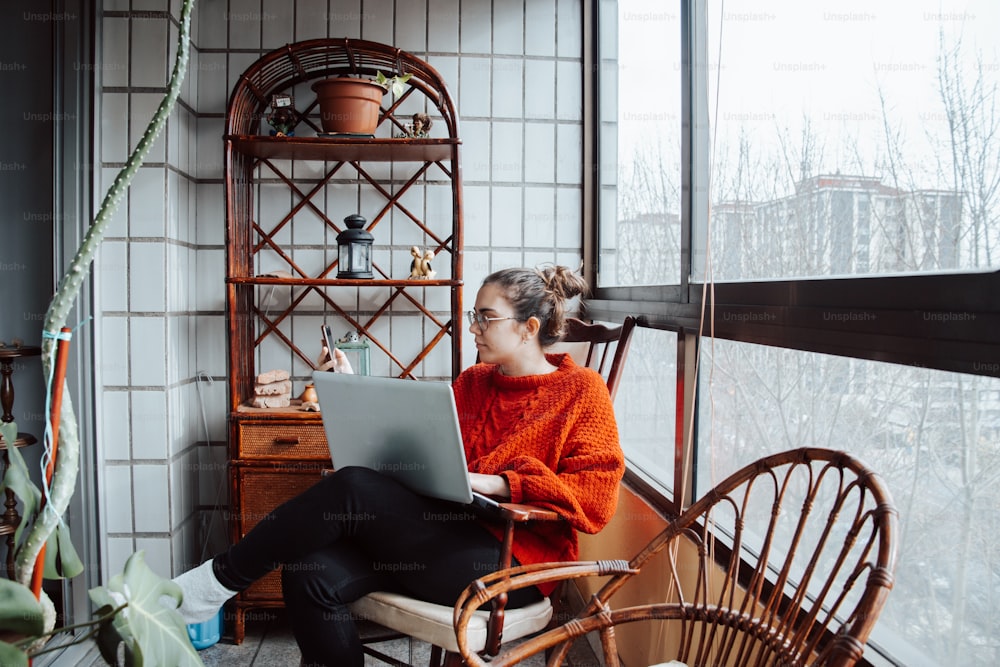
537	429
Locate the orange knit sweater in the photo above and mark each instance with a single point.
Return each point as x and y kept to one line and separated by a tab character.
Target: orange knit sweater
555	439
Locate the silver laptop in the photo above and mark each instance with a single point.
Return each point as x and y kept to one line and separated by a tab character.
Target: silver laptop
406	429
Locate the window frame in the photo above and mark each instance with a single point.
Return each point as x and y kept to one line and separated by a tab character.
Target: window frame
941	321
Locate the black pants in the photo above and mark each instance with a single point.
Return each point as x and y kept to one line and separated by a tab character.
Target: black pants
355	532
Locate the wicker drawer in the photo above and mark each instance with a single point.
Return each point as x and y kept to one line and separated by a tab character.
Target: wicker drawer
282	441
260	490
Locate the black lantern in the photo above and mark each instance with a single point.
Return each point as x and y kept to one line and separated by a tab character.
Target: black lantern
355	244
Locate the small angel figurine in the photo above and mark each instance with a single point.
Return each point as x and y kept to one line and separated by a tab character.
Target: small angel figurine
421	124
420	267
420	127
282	117
416	265
428	271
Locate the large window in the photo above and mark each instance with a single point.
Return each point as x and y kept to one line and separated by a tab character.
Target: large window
931	435
852	138
640	140
817	211
644	407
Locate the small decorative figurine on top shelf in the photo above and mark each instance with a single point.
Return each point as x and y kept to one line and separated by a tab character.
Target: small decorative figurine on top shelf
282	117
419	128
420	267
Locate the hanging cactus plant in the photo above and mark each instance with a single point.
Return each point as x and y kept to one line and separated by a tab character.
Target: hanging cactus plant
130	610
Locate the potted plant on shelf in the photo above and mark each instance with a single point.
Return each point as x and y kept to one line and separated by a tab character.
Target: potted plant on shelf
351	105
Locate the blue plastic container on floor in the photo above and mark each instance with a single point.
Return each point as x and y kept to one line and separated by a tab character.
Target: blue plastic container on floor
207	633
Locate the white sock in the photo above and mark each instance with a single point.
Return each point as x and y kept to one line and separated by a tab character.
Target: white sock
203	594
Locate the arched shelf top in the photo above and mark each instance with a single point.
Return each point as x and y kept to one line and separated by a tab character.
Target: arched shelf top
282	69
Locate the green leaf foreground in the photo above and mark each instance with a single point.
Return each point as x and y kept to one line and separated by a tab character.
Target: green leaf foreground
153	633
131	611
136	615
18	480
20	612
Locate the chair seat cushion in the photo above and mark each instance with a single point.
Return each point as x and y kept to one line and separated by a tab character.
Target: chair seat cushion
433	623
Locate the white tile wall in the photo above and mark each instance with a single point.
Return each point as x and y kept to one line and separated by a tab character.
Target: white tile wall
539	82
474	28
443	28
245	22
111	271
146	211
477	218
569	208
377	21
277	23
114	52
178	365
508	87
411	26
568	167
117	552
211	214
568	31
540	152
115	425
118	498
157	553
149	44
475	87
147	351
114	142
539	217
507	158
112	365
143	107
147	276
540	28
311	18
506	217
149	425
568	88
212	26
152	504
476	151
183	486
159	276
213	87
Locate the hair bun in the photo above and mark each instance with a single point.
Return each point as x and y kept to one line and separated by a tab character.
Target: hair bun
562	281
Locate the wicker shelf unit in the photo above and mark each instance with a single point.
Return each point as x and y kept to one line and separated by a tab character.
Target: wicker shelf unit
281	258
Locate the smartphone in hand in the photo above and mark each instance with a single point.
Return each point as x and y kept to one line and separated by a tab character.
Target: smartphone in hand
328	341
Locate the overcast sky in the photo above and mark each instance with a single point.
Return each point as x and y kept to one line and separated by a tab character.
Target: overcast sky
783	59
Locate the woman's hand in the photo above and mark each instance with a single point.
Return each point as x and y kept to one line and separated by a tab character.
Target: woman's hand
495	486
338	364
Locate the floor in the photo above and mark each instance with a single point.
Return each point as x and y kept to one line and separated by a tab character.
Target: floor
269	643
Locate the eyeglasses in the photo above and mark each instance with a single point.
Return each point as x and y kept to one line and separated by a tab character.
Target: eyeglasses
477	318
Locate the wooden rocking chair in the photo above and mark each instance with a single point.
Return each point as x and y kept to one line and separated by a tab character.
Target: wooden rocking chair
787	562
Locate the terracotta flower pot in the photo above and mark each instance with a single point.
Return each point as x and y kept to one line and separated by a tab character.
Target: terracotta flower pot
348	105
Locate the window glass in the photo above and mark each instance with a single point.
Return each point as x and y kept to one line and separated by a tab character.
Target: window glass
640	175
933	436
852	138
646	403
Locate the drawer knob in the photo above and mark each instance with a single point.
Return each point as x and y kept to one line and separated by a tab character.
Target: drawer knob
287	440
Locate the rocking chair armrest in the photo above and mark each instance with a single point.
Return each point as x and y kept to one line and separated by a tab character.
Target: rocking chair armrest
522	513
512	515
495	587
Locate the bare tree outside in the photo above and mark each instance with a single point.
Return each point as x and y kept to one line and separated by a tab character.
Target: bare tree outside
894	169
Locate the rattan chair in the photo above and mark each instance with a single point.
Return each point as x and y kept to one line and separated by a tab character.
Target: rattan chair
604	350
787	562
